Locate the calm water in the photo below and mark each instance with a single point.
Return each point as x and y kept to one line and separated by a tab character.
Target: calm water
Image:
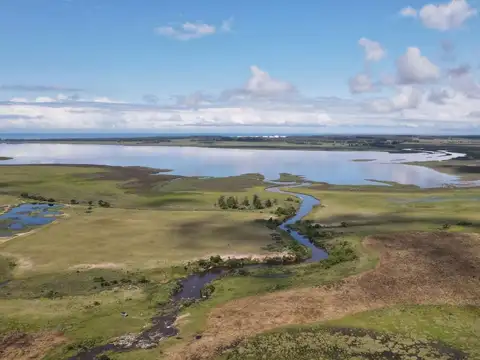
307	204
335	167
26	216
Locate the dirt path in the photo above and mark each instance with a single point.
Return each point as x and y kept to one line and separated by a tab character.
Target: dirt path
415	268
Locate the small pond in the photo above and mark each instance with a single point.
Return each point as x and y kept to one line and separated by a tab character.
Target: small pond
27	216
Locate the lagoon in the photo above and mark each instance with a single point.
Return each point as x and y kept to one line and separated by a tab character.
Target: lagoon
334	167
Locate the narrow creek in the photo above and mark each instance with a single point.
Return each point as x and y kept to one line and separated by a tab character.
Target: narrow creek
163	325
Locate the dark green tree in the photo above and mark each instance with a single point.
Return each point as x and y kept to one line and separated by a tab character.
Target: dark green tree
232	202
257	203
268	203
221	202
246	202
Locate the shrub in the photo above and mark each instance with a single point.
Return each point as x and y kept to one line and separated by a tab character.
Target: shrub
207	290
217	259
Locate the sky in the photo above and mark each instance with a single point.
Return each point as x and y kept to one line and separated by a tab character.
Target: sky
219	66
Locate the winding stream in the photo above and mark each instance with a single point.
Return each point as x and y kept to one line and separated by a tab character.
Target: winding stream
163	325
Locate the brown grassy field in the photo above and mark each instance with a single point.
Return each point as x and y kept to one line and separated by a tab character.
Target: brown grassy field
415	268
21	346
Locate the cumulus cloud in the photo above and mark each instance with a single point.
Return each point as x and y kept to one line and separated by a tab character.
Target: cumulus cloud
361	83
414	68
444	16
407	97
189	30
260	86
373	49
408	12
440	95
263	102
261	83
459	70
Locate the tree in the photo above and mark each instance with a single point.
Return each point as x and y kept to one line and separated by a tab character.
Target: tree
268	203
222	203
104	204
90	203
257	203
246	202
232	202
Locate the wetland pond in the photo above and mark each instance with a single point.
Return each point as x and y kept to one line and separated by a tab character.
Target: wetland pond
27	216
334	167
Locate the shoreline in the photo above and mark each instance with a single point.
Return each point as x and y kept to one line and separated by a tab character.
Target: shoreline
441	166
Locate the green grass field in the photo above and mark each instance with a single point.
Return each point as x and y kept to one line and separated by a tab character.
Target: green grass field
77	275
140	239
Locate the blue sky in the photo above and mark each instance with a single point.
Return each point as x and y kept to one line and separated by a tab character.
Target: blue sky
193	65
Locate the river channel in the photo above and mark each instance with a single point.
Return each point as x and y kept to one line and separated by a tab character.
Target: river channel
191	286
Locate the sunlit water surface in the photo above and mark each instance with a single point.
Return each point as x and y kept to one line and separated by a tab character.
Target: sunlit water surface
335	167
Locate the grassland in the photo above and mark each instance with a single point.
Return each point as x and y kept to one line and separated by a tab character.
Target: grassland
122	238
422	262
412	286
80	272
467	170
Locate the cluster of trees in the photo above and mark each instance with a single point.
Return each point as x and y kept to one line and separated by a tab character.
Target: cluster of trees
288	212
26	195
40	198
232	202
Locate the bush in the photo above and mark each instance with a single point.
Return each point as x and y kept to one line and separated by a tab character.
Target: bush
104	204
465	223
217	259
207	290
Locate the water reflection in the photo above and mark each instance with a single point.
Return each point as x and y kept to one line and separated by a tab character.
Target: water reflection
336	167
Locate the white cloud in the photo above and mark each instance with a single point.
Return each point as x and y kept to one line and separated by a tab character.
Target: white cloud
414	68
361	83
408	12
407	97
45	99
189	30
106	100
261	103
373	49
263	85
18	100
444	16
440	95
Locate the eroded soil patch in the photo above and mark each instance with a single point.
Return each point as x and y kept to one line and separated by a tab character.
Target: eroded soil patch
415	268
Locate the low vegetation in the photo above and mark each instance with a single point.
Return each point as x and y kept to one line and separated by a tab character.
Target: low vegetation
98	263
